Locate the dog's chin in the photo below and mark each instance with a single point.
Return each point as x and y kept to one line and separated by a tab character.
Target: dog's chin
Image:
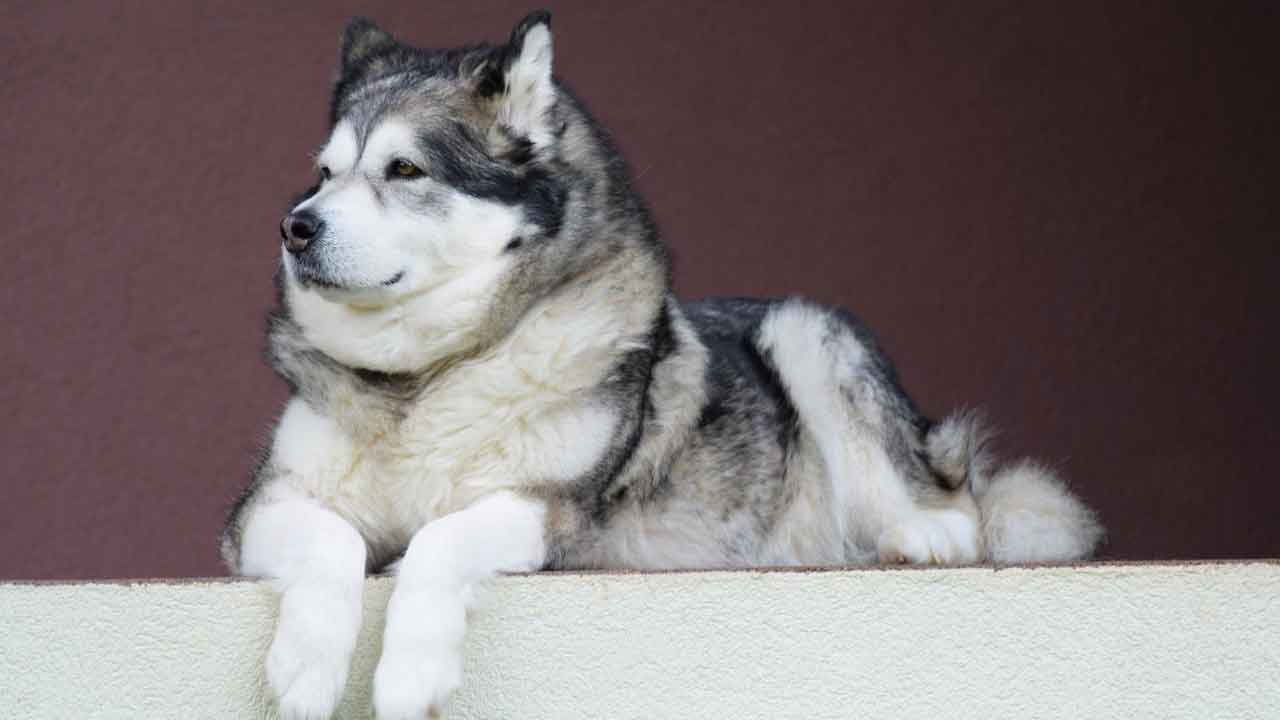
334	290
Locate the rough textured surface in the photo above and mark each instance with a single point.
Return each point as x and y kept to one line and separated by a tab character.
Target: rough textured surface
1103	641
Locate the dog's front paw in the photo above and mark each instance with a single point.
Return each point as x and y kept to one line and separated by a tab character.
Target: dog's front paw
306	690
940	537
310	656
421	663
412	685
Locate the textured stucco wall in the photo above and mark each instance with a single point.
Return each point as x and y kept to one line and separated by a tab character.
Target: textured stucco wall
1104	641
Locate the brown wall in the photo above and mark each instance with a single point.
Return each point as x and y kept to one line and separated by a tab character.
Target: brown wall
1065	214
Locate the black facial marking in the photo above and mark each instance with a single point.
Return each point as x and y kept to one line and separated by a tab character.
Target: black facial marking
458	159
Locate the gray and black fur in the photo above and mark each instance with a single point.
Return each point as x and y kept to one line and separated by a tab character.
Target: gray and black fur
748	432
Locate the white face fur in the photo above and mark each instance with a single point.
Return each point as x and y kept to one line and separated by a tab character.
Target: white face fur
401	262
407	267
388	236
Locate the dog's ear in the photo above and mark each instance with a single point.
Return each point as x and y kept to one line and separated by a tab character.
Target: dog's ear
518	77
361	42
364	46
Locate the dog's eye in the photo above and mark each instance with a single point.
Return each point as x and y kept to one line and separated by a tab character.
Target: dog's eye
324	173
403	169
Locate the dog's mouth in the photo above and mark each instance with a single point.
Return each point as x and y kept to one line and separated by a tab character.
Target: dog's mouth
313	278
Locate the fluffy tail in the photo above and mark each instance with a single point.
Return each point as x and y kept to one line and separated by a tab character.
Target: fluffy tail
1028	514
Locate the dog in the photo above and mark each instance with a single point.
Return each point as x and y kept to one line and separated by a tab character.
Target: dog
490	373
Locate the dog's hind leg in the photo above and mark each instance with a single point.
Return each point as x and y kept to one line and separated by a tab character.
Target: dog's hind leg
885	502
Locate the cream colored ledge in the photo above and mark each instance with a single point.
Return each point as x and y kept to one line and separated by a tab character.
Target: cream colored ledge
1126	641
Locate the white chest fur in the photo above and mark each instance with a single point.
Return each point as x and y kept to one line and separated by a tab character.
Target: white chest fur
522	414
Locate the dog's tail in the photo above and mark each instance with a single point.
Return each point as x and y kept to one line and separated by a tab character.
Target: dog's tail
1027	512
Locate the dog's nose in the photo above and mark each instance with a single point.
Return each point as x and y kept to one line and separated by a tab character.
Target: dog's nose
299	229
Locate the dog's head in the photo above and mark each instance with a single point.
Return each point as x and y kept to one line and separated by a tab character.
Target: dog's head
434	187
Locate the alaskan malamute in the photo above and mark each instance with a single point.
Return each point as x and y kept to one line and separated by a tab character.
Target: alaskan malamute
490	372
